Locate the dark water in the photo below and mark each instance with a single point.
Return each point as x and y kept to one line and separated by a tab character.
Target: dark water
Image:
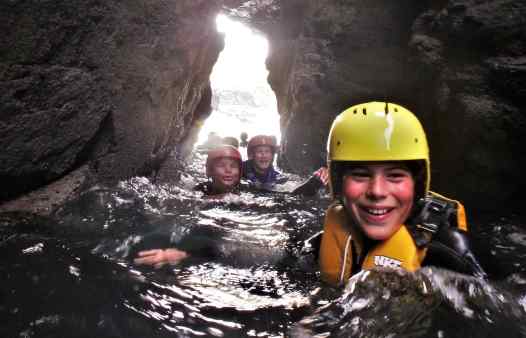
73	276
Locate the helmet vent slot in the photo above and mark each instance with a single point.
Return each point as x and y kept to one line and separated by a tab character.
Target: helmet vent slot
338	143
364	111
416	139
355	111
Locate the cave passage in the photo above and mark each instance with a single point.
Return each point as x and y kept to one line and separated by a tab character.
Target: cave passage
242	99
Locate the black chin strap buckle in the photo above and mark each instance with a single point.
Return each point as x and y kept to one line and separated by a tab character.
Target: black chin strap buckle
434	213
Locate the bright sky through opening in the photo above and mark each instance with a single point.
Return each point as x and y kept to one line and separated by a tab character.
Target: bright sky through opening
243	100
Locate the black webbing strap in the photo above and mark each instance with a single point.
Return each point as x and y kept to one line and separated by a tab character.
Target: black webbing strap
435	213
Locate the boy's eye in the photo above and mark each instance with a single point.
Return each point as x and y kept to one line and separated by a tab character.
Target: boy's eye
398	174
359	173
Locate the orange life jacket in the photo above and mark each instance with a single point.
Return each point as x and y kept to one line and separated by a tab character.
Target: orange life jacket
342	246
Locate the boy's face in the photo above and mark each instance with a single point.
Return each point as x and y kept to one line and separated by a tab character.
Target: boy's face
263	157
225	174
379	196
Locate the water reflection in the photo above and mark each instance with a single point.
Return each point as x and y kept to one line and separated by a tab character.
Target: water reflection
75	273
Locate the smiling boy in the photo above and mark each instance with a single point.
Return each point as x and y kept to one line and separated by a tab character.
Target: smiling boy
384	213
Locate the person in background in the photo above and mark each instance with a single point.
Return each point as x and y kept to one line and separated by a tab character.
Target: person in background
384	213
259	170
213	140
244	139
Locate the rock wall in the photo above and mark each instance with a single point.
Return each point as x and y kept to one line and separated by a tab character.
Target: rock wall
337	54
111	84
116	87
471	60
459	65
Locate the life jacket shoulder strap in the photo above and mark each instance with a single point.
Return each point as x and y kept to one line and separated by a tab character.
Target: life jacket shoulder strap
433	213
457	216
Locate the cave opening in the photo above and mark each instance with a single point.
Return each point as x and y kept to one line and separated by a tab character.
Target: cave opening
242	99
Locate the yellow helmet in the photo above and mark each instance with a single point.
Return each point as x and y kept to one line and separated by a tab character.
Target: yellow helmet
376	131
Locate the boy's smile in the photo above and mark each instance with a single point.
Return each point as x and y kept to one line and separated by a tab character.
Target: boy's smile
379	197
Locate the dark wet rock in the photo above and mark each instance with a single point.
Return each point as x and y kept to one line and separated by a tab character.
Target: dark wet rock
15	222
329	55
459	65
375	304
430	303
115	85
45	200
123	87
474	109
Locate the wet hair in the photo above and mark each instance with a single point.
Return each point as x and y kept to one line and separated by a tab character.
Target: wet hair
419	172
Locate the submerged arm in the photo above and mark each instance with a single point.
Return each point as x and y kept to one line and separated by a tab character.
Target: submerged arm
157	250
450	248
160	257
